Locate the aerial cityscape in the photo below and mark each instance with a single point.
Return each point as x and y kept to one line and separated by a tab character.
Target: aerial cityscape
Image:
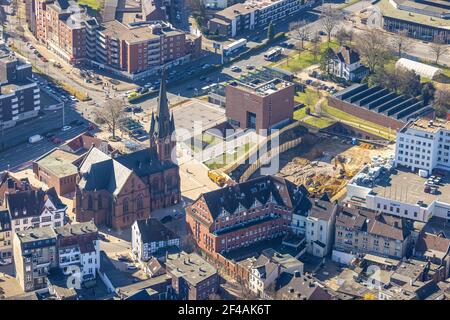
225	150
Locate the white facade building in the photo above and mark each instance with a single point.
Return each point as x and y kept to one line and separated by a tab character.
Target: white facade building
150	235
424	145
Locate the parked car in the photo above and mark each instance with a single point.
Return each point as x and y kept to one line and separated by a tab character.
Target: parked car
127	109
137	109
250	67
235	69
123	258
66	128
131	266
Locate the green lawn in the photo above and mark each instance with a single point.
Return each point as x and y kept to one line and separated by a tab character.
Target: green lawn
348	4
368	126
305	59
318	122
93	4
226	158
300	114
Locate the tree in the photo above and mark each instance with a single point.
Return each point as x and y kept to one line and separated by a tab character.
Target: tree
302	32
329	21
315	48
442	102
270	32
438	47
401	42
427	92
326	60
341	36
112	113
372	49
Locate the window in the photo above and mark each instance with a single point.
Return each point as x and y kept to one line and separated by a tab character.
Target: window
100	202
125	205
90	203
140	202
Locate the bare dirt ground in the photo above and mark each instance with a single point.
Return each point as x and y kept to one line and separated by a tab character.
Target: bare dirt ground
324	164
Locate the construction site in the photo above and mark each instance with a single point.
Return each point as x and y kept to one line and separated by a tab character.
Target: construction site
324	163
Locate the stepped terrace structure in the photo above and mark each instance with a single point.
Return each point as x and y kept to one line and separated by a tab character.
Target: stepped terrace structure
379	105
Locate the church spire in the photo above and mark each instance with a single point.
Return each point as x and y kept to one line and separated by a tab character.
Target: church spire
162	126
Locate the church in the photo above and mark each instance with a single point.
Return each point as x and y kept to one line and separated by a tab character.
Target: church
118	191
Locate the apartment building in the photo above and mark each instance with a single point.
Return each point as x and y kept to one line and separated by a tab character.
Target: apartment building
78	250
140	50
192	277
238	216
252	14
34	255
19	95
366	231
424	145
263	106
35	208
150	235
64	27
73	249
6	236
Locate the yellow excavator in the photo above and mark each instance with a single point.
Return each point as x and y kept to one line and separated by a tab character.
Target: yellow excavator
217	177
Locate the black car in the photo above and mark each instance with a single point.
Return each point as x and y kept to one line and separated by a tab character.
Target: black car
127	109
137	109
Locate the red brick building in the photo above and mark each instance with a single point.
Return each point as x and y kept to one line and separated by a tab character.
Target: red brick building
259	107
236	217
118	191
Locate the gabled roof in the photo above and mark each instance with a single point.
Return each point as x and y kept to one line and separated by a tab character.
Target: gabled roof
347	55
261	189
300	287
152	230
5	221
30	203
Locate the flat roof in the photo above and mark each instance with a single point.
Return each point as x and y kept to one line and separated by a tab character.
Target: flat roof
408	187
37	234
190	266
424	125
59	162
388	10
264	88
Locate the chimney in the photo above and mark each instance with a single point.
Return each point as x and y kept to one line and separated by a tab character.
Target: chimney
297	274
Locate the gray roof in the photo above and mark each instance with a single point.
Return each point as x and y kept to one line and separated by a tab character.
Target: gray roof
190	266
5	221
70	230
36	234
152	230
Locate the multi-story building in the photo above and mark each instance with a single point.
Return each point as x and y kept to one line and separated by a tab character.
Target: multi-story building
118	191
263	106
192	277
140	50
64	27
252	14
424	145
6	236
172	11
346	64
238	216
150	235
34	255
19	95
366	231
78	250
74	249
422	19
133	50
35	208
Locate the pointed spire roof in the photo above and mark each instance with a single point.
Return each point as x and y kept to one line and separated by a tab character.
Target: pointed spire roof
162	125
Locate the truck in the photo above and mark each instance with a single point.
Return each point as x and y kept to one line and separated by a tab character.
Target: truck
35	138
234	46
217	177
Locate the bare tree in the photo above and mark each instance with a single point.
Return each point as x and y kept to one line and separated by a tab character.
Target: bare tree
330	20
302	32
401	42
442	102
438	47
315	48
111	114
372	48
341	36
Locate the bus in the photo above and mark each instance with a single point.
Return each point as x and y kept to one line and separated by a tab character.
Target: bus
273	54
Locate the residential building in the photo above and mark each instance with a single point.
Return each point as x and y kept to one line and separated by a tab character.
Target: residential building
81	144
35	209
19	94
237	216
172	11
118	191
266	105
78	250
347	65
424	145
300	287
320	227
34	255
10	184
6	236
422	19
150	235
192	277
252	14
365	231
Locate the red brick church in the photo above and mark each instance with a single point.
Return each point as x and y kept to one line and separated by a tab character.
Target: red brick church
118	191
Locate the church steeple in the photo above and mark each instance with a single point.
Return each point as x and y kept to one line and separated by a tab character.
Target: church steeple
162	124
